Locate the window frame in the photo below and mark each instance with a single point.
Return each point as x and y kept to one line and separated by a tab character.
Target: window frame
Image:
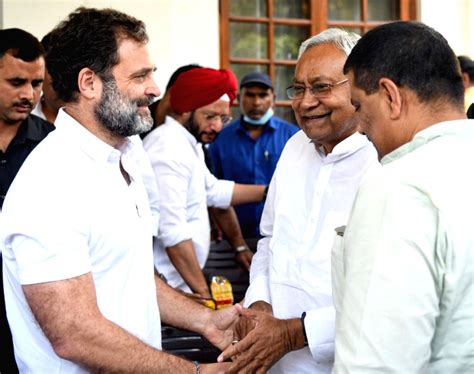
317	22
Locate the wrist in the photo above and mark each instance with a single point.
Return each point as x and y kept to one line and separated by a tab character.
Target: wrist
295	335
197	366
241	248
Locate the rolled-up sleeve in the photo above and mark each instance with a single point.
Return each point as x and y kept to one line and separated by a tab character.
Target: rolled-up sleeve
218	191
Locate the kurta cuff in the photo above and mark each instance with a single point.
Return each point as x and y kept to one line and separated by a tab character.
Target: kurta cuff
257	291
319	325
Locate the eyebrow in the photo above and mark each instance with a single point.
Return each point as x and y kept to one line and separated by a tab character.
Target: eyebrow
315	79
143	71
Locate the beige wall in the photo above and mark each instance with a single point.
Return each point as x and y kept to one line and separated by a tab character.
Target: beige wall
454	19
181	31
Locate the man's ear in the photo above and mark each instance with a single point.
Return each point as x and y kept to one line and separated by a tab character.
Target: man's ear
88	83
393	97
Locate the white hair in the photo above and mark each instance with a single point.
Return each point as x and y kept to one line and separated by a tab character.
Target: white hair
342	39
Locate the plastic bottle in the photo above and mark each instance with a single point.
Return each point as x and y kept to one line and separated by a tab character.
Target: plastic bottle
221	290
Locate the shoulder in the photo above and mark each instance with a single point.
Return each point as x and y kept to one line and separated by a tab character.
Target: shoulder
281	122
231	128
40	126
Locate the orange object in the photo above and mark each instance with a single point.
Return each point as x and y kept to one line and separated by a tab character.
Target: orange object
221	290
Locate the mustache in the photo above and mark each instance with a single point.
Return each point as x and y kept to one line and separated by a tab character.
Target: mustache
255	112
24	102
145	101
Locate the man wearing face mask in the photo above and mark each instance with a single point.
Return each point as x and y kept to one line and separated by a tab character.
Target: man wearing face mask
200	106
248	150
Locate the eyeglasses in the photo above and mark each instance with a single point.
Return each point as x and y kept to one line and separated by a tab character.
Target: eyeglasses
318	90
214	117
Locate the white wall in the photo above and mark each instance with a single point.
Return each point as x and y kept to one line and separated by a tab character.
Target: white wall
180	31
454	19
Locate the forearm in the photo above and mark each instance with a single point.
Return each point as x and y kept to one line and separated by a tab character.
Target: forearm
227	221
247	193
183	257
106	347
68	314
177	309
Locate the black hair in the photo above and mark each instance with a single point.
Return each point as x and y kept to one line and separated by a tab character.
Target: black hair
467	66
20	44
89	38
178	72
412	55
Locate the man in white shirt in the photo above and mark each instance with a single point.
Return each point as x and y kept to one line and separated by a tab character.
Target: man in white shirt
80	287
407	260
310	195
200	101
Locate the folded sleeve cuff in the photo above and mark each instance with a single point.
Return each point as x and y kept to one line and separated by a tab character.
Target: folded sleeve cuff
257	291
320	331
221	195
172	236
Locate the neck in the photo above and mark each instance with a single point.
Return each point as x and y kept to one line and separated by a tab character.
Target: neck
254	130
87	119
8	131
49	112
430	115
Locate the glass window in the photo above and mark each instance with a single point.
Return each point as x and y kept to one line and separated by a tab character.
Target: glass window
383	10
248	40
283	78
255	40
344	10
242	69
291	9
248	8
287	41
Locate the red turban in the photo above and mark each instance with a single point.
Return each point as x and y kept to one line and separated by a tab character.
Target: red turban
200	87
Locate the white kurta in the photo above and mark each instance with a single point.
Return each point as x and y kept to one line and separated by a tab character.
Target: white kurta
68	212
310	195
407	261
186	189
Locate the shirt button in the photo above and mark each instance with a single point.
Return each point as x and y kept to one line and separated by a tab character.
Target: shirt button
3	161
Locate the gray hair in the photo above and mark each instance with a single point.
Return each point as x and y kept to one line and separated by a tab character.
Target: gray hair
341	39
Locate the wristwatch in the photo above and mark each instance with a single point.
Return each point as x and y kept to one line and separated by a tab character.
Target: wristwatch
241	248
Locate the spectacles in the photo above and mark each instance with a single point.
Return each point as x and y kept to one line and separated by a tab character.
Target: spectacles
214	117
318	90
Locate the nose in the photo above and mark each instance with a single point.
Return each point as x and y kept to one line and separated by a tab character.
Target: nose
27	92
217	125
308	100
153	89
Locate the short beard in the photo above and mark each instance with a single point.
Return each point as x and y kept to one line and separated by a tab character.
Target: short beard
118	113
193	128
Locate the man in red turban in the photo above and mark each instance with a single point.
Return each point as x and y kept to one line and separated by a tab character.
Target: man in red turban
200	101
214	90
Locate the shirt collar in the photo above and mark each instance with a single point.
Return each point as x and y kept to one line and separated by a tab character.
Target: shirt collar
425	136
29	130
94	147
271	124
170	121
343	149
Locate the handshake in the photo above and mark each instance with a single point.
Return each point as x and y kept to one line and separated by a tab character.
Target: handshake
252	339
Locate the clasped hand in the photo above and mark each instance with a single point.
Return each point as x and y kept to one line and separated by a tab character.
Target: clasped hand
265	340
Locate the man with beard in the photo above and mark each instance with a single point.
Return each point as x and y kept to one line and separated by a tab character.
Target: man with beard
247	151
200	101
21	78
80	288
311	194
